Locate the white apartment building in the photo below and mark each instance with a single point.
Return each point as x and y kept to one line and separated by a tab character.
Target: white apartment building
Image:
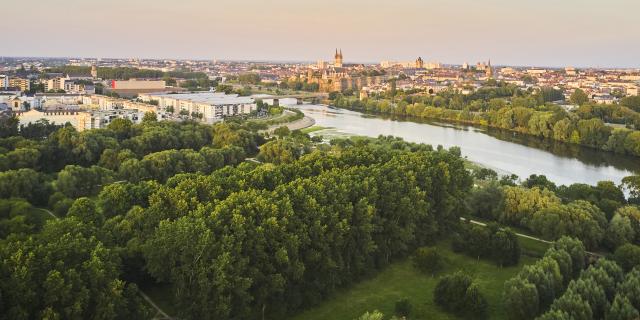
4	81
213	106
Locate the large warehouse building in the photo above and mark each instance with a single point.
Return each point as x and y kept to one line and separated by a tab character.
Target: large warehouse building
133	87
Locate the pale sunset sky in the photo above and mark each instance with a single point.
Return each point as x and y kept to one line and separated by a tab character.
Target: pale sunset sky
604	33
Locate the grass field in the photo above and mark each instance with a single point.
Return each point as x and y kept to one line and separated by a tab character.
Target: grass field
402	280
313	129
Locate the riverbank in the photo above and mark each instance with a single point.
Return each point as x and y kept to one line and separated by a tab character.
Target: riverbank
512	153
585	132
298	124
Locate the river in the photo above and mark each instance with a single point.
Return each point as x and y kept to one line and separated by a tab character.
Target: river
502	151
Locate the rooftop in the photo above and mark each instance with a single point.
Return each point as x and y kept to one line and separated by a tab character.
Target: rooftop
212	98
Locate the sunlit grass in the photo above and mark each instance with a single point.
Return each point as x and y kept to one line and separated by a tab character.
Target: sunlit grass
401	279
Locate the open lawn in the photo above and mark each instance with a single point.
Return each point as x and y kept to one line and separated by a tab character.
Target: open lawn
401	279
398	280
313	129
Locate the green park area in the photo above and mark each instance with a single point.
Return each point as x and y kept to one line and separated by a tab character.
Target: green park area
403	280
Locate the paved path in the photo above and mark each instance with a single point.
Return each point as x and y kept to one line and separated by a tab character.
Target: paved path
160	315
527	236
49	212
254	160
517	234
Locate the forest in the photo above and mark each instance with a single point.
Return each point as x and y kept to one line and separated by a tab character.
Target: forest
244	225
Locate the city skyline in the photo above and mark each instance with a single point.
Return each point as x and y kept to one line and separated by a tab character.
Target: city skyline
543	33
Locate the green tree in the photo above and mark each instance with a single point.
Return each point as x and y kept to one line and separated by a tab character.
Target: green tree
8	126
632	184
149	116
84	209
458	294
75	181
620	231
282	132
622	309
403	308
573	305
475	302
486	201
627	256
579	97
505	247
520	299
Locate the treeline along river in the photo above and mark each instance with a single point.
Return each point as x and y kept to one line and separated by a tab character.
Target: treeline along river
503	151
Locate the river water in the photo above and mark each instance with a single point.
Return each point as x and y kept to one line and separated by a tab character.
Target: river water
502	151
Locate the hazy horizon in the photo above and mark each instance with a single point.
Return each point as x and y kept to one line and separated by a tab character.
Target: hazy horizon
543	33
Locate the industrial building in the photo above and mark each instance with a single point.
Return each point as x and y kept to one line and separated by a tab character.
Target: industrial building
131	88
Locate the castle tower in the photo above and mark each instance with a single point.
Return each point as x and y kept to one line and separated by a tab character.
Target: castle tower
338	59
94	72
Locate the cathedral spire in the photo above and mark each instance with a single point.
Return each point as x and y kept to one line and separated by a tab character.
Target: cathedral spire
338	59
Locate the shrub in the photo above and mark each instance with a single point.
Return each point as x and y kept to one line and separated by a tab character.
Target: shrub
428	260
458	294
403	307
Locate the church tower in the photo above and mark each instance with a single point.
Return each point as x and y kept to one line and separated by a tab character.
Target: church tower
419	63
338	59
489	70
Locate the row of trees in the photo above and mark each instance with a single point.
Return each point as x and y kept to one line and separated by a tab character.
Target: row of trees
600	216
490	242
120	140
536	286
126	73
601	292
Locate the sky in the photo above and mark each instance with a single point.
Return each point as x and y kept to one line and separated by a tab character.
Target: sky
554	33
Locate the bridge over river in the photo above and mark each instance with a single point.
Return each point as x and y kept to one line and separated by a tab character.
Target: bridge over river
313	97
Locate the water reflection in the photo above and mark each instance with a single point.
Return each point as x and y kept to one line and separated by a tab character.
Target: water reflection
499	149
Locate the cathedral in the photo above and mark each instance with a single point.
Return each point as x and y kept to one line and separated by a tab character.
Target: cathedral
339	77
338	59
